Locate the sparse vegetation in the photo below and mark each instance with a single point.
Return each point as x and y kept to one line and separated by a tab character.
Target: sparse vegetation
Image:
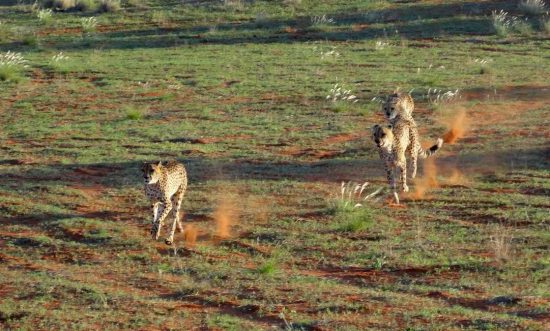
57	62
501	244
503	23
483	66
237	92
341	98
320	21
11	66
88	24
532	7
133	113
44	15
523	27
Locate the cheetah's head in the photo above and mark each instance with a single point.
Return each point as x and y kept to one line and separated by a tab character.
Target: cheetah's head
382	136
391	106
395	106
151	172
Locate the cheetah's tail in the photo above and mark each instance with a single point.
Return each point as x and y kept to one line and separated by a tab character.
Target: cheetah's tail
432	150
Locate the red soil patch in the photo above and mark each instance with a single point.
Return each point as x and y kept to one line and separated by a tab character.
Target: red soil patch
290	30
359	27
311	152
341	138
525	92
92	171
58	31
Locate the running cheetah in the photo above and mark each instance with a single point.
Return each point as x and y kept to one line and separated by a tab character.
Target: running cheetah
384	139
398	109
165	186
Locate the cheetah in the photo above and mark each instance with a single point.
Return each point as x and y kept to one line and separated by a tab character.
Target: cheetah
165	185
384	139
398	109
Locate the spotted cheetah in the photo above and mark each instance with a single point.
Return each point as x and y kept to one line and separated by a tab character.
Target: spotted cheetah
398	109
383	137
165	185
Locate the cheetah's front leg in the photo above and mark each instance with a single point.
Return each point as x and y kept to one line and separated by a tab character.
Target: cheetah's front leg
167	207
403	170
402	165
176	222
390	175
155	206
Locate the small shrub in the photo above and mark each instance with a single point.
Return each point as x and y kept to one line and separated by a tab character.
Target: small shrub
134	114
338	93
322	20
355	221
44	15
351	215
88	24
341	99
483	66
57	62
109	6
437	97
501	244
502	23
379	262
11	66
532	7
523	28
267	268
351	197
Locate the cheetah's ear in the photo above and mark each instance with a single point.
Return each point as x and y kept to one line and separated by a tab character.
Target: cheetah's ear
154	166
158	165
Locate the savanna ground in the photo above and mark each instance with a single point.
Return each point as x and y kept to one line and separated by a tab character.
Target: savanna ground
237	91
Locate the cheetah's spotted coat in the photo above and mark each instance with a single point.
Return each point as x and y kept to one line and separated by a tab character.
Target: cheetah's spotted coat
165	186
